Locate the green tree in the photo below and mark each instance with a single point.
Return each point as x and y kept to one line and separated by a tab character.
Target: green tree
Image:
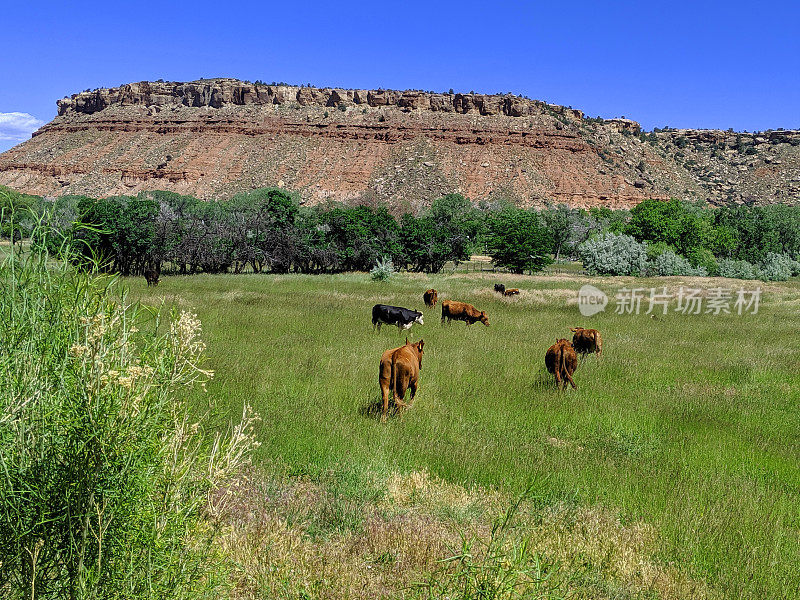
518	240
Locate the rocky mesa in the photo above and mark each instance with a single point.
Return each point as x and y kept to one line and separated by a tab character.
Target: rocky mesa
214	138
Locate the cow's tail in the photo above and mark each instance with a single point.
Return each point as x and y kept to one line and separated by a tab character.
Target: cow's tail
392	381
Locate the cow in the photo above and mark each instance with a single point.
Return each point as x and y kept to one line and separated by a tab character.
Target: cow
511	292
431	297
499	288
151	275
398	372
461	311
586	341
383	314
562	361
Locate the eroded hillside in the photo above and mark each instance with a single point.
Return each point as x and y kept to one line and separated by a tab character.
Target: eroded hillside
214	138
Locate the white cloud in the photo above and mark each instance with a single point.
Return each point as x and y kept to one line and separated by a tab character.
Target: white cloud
17	126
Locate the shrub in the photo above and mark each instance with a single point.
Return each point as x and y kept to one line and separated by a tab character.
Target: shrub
736	269
669	263
612	254
654	250
104	472
383	269
777	267
703	258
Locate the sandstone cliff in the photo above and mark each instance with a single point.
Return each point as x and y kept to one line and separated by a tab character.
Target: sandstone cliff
213	138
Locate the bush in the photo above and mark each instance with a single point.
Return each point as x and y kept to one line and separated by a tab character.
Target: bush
736	269
104	472
383	269
670	263
703	258
654	250
777	267
612	254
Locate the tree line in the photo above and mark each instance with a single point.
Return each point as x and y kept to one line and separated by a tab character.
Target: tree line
269	230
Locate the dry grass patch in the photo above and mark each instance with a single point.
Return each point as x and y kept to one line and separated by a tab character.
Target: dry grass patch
426	538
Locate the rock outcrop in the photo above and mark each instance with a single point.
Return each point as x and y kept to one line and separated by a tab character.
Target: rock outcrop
214	138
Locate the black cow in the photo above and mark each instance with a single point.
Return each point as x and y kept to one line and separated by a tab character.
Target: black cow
500	288
404	318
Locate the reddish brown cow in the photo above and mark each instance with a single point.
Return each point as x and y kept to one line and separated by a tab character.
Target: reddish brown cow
586	341
430	297
399	371
511	292
461	311
562	361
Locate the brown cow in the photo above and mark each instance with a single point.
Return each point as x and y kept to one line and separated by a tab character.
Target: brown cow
430	297
151	275
399	371
586	341
562	361
461	311
511	292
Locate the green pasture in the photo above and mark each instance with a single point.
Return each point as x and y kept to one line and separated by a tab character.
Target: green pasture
688	422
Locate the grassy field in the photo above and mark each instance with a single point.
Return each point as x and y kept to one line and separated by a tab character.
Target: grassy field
689	424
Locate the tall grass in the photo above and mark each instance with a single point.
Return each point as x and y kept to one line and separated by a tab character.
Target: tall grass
103	475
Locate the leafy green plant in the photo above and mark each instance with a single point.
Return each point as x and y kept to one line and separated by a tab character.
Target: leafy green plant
104	470
383	269
704	259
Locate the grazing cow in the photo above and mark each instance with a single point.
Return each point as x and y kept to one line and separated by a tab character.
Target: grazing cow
431	297
500	288
511	292
151	275
562	361
461	311
398	372
586	341
404	318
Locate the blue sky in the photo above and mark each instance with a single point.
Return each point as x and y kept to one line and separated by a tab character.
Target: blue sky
684	64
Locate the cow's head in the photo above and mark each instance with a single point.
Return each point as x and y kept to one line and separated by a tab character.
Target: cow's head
484	318
418	318
419	346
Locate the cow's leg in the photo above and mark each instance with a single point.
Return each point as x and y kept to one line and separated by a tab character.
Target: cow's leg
412	386
557	373
385	400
